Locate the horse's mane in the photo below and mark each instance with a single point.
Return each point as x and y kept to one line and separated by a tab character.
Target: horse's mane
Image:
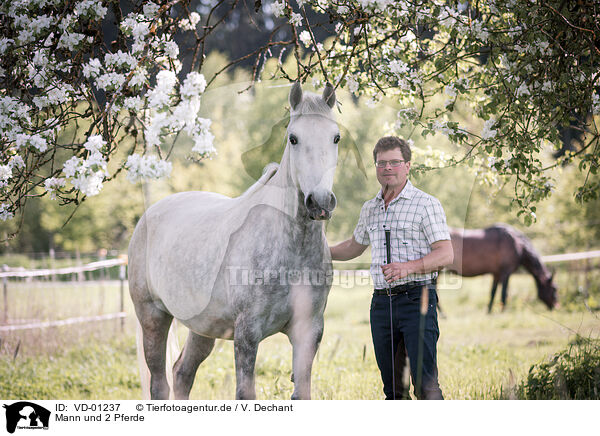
530	258
268	172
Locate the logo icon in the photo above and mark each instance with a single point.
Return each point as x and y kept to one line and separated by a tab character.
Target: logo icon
26	415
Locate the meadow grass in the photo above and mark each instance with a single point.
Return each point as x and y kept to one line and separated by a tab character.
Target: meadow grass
480	356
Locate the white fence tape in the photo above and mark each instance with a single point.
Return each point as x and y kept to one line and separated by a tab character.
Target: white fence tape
62	322
22	272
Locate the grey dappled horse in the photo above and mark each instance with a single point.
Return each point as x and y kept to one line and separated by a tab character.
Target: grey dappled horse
242	268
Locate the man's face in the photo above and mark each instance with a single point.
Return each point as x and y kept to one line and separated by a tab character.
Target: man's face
392	177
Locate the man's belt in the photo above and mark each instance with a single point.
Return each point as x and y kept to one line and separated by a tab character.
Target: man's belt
402	288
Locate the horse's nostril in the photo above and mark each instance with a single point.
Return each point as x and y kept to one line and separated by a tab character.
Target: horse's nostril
332	201
310	202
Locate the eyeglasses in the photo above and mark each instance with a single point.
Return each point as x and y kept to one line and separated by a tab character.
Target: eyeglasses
394	163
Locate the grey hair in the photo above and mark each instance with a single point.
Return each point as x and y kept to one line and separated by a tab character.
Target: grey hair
311	104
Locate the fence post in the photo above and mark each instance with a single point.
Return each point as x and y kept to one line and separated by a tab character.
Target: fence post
5	299
122	277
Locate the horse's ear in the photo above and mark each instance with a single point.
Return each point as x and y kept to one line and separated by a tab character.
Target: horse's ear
295	95
329	95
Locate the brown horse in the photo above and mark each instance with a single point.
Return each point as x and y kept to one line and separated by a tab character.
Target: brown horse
499	250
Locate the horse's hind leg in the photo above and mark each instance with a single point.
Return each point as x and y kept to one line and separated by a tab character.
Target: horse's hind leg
494	287
196	349
155	328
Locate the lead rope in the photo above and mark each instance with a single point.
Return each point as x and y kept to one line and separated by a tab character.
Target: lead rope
389	289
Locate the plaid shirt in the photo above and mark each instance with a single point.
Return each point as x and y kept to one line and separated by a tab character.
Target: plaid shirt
416	221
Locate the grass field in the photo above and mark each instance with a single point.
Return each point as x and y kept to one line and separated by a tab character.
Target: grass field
480	356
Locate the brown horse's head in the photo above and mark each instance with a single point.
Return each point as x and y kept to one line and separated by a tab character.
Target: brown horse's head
547	292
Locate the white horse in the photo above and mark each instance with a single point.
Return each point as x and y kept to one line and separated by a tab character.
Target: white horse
242	268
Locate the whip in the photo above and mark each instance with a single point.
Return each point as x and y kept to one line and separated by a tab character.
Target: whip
388	251
424	304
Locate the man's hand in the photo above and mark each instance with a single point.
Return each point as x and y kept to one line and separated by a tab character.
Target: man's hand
440	256
397	270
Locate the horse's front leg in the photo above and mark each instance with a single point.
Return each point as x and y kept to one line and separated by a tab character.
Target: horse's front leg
245	344
494	287
305	345
305	335
504	292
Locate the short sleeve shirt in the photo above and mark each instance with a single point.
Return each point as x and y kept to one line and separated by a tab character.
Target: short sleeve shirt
415	220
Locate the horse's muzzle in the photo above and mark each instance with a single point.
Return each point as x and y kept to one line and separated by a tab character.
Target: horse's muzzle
320	207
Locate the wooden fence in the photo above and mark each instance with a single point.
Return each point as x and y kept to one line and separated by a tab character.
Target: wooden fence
8	272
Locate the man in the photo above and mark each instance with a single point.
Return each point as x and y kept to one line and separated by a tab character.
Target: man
420	246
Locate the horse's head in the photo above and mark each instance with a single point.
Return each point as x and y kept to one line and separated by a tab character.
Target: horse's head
547	292
312	138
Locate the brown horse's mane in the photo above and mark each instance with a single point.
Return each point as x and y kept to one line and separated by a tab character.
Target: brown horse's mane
530	258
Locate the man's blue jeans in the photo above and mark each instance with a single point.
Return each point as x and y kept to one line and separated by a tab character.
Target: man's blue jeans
406	326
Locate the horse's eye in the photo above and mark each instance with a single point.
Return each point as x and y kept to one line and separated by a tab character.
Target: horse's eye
293	139
336	139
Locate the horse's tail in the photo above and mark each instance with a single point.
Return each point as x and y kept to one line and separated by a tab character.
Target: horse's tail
173	351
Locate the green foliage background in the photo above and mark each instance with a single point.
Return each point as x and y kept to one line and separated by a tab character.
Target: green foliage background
249	128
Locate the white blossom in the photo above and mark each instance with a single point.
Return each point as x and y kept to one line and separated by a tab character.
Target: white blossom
523	90
488	132
133	103
203	143
52	184
161	94
171	49
110	81
450	90
442	127
5	43
89	184
296	19
595	104
38	142
40	23
352	84
70	166
94	143
70	41
305	38
92	68
16	162
193	85
150	9
409	37
398	67
139	77
5	172
191	23
120	59
146	167
5	214
278	8
91	9
87	175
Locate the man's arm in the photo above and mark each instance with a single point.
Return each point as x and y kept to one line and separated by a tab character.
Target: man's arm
441	255
349	249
